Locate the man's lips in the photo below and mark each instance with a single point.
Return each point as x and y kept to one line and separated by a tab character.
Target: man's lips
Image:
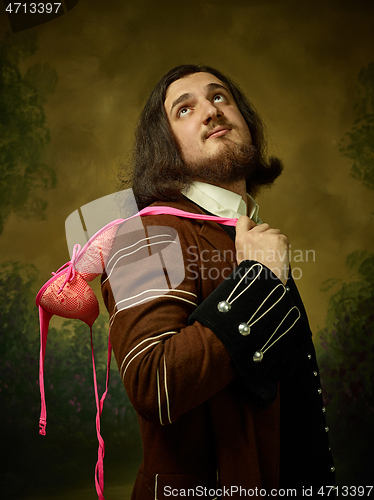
217	132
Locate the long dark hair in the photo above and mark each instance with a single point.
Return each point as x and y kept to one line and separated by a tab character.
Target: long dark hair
158	168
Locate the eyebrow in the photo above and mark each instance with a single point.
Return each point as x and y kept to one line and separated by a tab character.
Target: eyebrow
188	95
181	98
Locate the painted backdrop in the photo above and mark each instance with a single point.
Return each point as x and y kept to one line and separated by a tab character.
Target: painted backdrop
71	92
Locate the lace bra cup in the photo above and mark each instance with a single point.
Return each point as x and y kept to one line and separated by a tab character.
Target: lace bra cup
76	300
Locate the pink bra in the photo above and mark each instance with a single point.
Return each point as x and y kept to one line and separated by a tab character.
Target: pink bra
68	294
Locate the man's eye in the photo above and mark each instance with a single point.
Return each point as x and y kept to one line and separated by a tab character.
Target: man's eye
183	111
219	98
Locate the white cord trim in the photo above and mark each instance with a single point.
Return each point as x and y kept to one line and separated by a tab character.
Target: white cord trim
166	391
263	302
294	307
165	290
181	298
156	486
156	297
155	290
136	355
112	318
146	340
137	250
134	244
159	397
138	345
250	284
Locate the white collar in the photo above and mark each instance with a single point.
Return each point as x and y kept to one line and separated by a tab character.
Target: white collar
222	202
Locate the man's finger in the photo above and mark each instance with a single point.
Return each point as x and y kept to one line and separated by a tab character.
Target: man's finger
244	224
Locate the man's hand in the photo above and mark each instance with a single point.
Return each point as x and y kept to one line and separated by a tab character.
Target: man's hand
262	244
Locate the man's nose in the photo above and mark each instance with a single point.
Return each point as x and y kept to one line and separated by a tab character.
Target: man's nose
210	111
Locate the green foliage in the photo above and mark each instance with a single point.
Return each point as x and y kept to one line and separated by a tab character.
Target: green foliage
23	131
347	368
358	143
18	343
329	284
70	447
347	363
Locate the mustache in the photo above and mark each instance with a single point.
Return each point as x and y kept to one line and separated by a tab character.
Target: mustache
221	122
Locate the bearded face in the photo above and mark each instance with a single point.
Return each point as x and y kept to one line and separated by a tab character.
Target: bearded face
205	119
233	162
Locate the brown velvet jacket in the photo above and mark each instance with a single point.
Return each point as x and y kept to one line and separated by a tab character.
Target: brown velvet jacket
209	415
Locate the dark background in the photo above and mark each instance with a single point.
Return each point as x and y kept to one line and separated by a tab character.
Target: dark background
72	90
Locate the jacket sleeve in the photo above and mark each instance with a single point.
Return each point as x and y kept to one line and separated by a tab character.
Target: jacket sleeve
260	322
167	366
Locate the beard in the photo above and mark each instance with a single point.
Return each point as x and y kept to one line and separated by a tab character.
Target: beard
232	163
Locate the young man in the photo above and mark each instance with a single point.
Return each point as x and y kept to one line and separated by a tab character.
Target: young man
218	360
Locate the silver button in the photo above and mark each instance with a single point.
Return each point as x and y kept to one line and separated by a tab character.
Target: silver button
309	356
224	307
257	357
323	409
244	329
332	469
327	429
319	391
288	288
315	373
